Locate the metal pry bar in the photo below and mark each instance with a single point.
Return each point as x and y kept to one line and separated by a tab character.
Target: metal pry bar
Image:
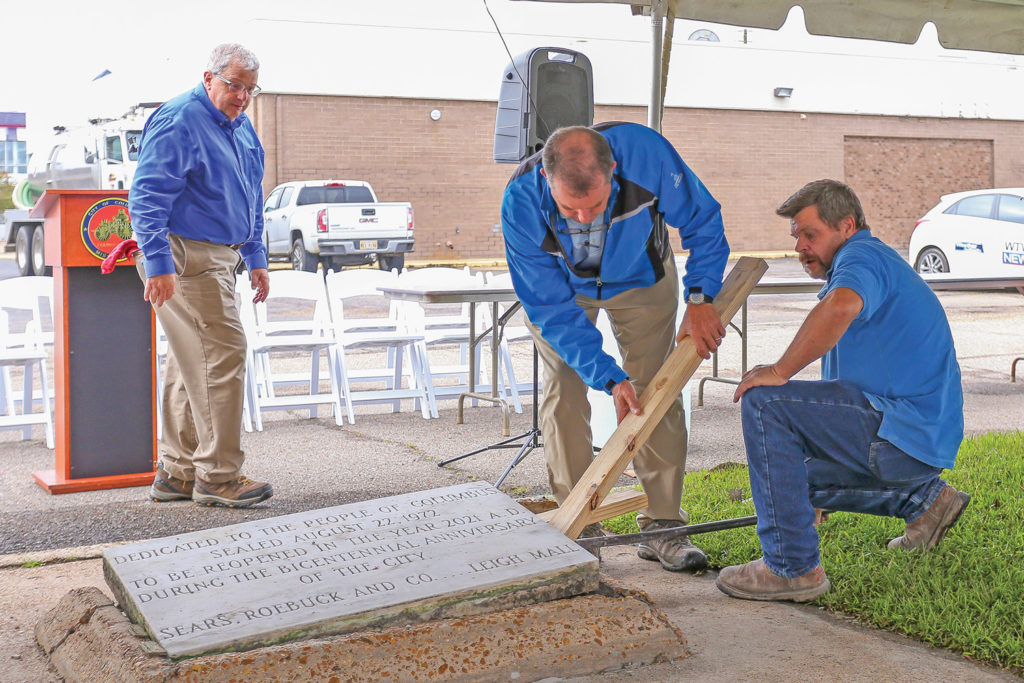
661	534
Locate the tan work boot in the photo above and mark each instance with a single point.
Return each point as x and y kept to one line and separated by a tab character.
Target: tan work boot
165	487
926	531
239	492
755	581
675	554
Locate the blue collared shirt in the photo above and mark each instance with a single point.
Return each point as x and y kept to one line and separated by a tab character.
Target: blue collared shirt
898	351
587	242
199	176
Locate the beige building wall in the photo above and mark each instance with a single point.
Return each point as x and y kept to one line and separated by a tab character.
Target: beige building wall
750	160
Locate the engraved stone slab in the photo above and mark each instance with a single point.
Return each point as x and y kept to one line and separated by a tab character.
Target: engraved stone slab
447	552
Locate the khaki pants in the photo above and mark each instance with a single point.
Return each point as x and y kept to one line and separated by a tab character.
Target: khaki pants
205	378
643	320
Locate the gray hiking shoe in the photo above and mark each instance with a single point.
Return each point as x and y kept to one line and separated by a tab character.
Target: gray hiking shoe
239	492
594	530
165	487
926	531
675	554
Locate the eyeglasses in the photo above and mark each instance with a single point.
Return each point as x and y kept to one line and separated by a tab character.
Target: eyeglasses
586	229
236	88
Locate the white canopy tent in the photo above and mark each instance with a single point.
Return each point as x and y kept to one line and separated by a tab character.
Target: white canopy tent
988	25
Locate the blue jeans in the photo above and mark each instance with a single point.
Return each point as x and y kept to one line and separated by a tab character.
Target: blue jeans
816	445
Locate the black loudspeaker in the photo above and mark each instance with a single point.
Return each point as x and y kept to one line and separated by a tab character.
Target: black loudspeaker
541	90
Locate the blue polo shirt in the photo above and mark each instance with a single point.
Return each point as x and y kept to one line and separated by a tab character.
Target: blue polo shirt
898	350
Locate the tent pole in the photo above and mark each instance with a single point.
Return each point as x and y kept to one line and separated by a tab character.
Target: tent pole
657	26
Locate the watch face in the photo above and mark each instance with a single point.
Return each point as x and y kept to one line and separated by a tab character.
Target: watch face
697	298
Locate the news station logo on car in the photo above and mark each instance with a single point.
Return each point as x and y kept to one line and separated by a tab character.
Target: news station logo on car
1013	258
105	225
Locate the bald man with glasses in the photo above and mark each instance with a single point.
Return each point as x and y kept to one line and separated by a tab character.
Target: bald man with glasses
585	223
196	204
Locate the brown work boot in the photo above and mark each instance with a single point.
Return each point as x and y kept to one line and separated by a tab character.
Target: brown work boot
165	487
754	581
926	531
675	554
239	492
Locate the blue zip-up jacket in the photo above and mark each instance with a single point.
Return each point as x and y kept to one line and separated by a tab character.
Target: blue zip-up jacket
200	176
651	186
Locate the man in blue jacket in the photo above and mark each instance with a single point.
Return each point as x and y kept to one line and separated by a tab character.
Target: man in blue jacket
196	204
584	223
873	435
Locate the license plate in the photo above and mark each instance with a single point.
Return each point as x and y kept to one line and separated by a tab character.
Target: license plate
367	244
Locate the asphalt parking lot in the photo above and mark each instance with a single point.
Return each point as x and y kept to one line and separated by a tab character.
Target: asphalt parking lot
314	463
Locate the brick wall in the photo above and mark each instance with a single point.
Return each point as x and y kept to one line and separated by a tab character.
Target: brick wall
750	160
899	179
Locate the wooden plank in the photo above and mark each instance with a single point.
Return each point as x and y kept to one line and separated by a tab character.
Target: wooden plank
615	504
634	430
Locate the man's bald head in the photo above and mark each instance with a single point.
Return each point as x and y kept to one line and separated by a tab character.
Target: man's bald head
578	159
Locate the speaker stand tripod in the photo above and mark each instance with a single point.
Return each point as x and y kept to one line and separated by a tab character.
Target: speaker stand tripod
532	436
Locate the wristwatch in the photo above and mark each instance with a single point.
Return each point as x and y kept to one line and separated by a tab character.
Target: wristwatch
698	297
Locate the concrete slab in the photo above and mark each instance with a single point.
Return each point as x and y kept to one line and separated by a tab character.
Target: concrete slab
452	551
613	629
728	640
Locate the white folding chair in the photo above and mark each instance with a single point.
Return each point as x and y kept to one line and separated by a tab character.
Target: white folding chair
296	327
444	325
28	299
25	350
377	330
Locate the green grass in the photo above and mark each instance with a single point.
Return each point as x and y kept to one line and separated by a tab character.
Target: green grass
966	595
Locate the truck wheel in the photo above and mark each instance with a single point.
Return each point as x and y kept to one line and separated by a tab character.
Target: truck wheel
23	250
391	262
301	259
38	259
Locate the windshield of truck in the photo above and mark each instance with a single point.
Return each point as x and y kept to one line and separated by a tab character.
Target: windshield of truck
338	194
133	137
114	149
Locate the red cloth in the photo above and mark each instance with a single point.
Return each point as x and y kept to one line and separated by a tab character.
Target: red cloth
122	250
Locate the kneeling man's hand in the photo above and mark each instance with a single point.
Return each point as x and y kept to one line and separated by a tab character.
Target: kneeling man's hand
759	376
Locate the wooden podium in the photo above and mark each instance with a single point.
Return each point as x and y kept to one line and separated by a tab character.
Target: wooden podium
104	370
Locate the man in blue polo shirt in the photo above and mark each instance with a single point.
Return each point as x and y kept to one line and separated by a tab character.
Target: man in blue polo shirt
873	435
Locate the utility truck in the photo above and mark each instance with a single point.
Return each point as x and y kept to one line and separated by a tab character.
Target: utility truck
102	155
335	223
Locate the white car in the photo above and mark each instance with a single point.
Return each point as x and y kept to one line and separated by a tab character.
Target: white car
979	233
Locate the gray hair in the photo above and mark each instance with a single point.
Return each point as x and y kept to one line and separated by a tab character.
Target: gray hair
577	162
835	201
226	53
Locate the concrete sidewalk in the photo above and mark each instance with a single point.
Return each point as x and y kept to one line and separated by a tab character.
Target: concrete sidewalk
314	464
727	639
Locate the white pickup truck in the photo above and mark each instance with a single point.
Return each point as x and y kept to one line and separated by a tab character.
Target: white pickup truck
335	223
